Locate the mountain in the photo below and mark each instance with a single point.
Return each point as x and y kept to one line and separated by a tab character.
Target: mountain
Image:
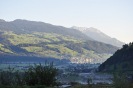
25	26
2	20
99	36
38	39
121	60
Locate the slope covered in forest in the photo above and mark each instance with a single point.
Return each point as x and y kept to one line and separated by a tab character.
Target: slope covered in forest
121	60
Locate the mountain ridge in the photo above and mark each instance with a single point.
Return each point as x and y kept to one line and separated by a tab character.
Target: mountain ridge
99	36
19	25
31	38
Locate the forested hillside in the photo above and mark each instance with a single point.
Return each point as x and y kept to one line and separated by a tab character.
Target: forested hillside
122	60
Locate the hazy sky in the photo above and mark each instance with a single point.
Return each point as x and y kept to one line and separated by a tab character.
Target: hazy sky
113	17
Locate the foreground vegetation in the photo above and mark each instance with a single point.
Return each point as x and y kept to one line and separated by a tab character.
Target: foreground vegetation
43	75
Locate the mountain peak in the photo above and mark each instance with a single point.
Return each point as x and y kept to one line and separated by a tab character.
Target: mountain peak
99	36
85	29
19	20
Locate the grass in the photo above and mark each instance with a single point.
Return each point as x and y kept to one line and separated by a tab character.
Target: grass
33	49
71	39
25	38
2	48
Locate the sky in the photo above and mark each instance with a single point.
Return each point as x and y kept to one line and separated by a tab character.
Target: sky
112	17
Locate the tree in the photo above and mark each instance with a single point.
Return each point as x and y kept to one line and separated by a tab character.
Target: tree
89	81
120	80
34	75
41	75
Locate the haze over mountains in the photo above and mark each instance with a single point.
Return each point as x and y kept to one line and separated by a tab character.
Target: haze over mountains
39	39
99	36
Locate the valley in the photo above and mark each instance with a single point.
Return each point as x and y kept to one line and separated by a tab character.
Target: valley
66	44
78	57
